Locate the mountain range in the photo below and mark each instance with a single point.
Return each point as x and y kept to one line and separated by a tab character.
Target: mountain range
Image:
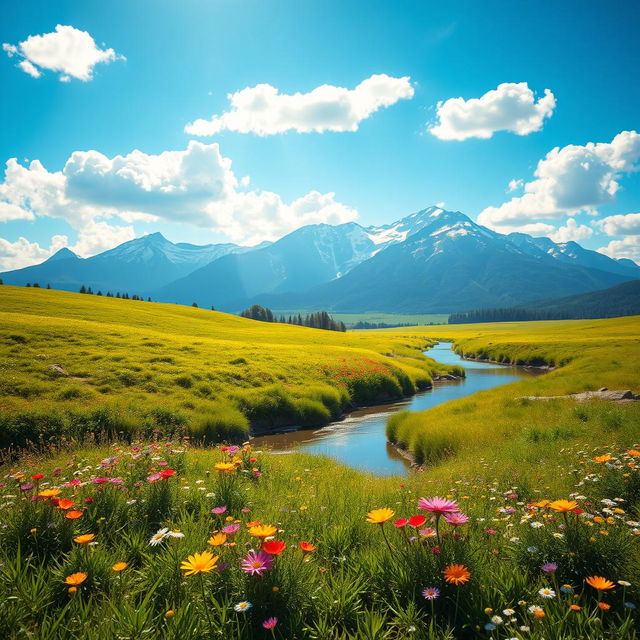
432	261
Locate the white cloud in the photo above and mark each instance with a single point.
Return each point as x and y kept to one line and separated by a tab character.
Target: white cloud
69	51
263	110
22	253
628	224
569	180
628	247
514	185
537	229
512	106
572	231
194	186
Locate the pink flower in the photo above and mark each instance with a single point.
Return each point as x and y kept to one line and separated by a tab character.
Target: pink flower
401	522
456	519
490	532
257	562
428	532
154	477
230	529
270	623
438	505
218	510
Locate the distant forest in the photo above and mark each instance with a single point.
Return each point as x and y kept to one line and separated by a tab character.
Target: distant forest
620	300
319	320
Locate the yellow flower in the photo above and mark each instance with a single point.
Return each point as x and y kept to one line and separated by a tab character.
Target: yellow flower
225	467
170	613
563	505
604	458
380	516
119	566
199	563
263	530
76	578
217	540
50	493
85	538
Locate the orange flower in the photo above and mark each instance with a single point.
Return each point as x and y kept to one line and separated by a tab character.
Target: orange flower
575	607
538	613
542	504
263	530
456	574
119	566
65	504
85	538
307	547
633	452
600	583
217	540
563	505
604	606
76	578
50	493
73	514
273	547
604	458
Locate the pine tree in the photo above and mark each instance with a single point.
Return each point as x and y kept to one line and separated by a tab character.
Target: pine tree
194	304
36	285
99	293
48	286
83	289
89	291
28	284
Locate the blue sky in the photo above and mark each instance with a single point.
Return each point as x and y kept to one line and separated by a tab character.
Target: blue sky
167	64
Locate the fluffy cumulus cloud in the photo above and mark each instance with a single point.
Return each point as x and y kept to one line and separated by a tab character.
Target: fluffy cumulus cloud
512	106
628	224
628	247
21	253
100	196
569	180
263	110
68	51
572	231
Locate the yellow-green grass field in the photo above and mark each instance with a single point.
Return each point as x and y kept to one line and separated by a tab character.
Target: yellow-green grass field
73	365
524	434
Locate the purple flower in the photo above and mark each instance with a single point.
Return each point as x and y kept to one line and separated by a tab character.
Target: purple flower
27	487
549	567
270	623
430	593
218	510
257	562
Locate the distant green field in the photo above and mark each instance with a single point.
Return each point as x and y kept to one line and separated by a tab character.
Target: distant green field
388	318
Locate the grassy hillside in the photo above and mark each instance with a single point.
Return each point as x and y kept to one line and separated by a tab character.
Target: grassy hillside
76	364
499	424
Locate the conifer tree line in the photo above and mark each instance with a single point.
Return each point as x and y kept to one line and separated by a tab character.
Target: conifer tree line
123	296
318	320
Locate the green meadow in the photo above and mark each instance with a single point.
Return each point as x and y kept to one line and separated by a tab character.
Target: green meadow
77	365
523	521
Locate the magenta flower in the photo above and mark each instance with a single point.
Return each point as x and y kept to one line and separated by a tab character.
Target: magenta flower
430	593
490	532
257	562
270	623
154	477
456	519
438	505
230	529
549	567
218	510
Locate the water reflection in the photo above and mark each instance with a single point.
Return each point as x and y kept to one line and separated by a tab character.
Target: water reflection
360	440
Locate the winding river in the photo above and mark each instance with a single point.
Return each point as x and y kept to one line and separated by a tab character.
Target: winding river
359	439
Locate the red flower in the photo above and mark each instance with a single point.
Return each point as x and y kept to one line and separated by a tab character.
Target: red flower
417	521
37	476
88	500
400	522
167	473
273	547
307	547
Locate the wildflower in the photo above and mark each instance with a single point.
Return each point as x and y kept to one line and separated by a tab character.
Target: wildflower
76	579
307	547
428	532
217	540
629	605
563	506
158	536
270	623
380	516
256	563
225	467
218	510
600	583
199	563
509	612
85	538
39	476
175	534
604	606
167	473
242	606
417	521
456	519
537	611
400	522
50	493
456	574
119	566
566	588
438	505
170	613
604	458
497	620
549	567
624	583
230	529
430	593
273	547
262	530
536	525
490	532
74	514
545	592
575	607
64	504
